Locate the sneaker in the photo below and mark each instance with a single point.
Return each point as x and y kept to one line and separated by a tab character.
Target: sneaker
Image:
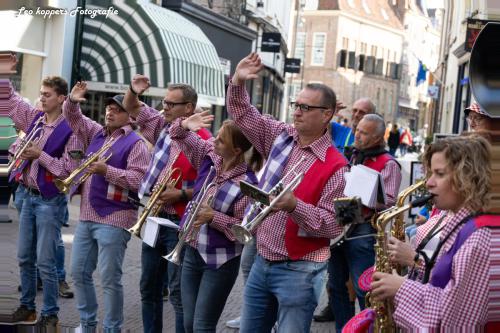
324	315
24	316
64	290
48	321
165	294
233	323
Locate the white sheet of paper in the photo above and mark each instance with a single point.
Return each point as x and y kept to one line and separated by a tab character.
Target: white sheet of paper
363	182
152	228
163	222
150	233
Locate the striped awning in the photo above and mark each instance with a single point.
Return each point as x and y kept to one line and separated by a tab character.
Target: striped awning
147	39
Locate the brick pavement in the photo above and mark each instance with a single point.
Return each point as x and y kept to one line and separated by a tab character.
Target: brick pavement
132	306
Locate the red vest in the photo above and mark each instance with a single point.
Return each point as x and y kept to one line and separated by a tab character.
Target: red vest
309	191
188	172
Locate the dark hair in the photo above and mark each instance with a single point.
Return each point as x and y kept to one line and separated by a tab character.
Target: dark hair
57	83
237	139
188	93
328	97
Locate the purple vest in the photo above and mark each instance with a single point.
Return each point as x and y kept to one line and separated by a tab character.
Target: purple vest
54	147
217	239
441	274
107	198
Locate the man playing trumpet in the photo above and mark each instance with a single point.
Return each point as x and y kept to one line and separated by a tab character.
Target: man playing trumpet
180	101
293	241
42	159
106	213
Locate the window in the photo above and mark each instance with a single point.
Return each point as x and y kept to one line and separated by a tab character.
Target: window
311	5
345	43
318	49
365	7
300	46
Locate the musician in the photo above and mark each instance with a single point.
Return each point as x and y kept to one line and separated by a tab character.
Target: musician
457	285
287	276
101	235
180	101
477	118
343	136
354	256
40	214
343	139
212	259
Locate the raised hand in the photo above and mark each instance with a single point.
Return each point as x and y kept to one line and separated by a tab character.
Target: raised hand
78	92
247	69
198	121
339	106
140	84
8	63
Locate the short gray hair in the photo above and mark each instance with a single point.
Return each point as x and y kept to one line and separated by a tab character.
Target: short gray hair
328	97
378	120
373	107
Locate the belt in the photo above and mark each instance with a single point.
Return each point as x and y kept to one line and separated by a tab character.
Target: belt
33	191
174	217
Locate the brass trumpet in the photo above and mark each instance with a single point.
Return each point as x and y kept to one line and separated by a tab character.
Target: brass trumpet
188	231
243	232
25	142
384	309
153	208
79	175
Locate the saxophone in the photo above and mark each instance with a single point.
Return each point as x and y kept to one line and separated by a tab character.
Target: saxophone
384	309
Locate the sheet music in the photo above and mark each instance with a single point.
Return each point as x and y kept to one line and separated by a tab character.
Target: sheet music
365	183
153	227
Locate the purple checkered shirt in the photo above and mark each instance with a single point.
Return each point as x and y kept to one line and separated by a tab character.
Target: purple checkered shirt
128	178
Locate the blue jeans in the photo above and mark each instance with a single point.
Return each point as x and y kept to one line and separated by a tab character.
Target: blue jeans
102	246
63	215
205	290
39	235
154	268
352	257
247	259
286	290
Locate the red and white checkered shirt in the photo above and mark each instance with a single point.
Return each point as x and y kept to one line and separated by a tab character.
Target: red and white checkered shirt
22	113
463	303
151	123
316	220
196	149
129	178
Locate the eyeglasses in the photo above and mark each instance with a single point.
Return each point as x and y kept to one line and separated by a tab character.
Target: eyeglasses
167	104
475	119
305	107
114	109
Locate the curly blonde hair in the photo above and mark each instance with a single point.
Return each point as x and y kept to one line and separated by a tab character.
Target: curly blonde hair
469	161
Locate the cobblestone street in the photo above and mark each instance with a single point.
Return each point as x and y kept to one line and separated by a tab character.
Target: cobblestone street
68	314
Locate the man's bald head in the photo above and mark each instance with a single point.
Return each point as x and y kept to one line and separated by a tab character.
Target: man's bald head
360	108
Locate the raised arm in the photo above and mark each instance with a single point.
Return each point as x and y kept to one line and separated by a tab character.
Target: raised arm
194	147
131	102
259	129
83	127
21	112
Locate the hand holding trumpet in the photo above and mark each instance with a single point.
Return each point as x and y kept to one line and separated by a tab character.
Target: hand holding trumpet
32	152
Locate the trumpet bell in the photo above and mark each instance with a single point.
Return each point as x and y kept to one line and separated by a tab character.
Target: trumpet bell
241	234
174	257
61	186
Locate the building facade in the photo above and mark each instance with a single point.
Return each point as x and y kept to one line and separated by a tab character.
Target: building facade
353	46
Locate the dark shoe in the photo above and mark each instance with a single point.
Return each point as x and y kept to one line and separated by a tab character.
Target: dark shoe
324	315
65	290
47	321
65	224
24	316
165	294
39	285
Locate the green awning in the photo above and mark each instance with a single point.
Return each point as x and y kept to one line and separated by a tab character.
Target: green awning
147	39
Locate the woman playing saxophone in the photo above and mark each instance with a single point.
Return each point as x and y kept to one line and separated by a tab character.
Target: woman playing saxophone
453	286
